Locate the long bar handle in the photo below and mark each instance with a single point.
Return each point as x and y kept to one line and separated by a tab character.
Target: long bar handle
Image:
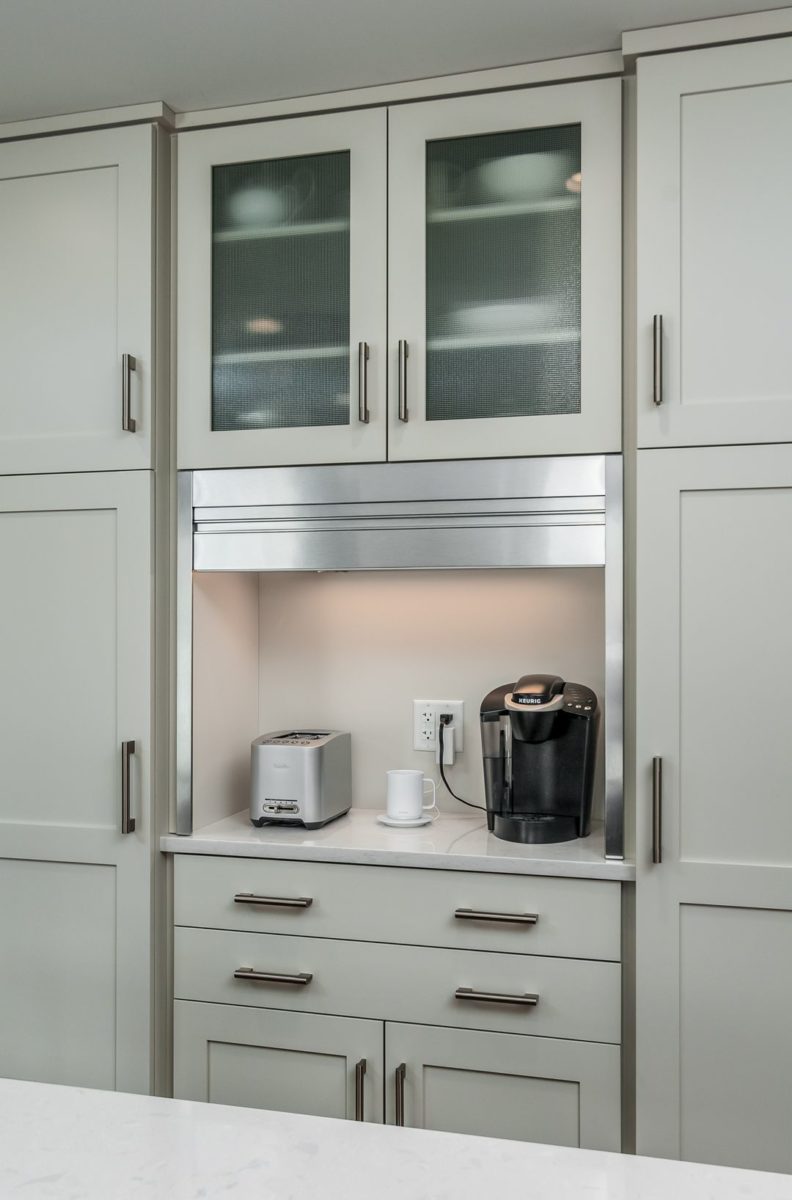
401	1076
127	820
301	979
527	999
404	353
363	357
657	359
273	901
657	810
128	365
475	914
360	1085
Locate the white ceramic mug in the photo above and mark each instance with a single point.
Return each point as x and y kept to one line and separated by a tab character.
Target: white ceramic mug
405	793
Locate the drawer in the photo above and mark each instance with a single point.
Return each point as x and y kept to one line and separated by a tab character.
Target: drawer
576	999
575	918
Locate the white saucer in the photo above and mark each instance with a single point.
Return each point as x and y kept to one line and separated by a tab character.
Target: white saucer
392	823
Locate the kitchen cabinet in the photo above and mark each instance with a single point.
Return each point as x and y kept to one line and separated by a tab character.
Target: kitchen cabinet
713	245
75	688
714	760
282	1061
277	1001
485	231
529	1089
504	274
77	243
281	285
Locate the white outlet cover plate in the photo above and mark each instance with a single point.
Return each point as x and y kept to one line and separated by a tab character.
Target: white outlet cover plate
426	716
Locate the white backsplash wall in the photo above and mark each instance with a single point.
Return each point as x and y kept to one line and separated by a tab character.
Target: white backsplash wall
352	650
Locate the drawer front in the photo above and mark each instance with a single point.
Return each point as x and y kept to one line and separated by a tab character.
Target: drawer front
574	918
577	1000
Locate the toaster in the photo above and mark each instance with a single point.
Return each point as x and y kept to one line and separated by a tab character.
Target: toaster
300	777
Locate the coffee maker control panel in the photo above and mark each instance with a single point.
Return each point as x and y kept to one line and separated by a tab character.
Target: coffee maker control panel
579	699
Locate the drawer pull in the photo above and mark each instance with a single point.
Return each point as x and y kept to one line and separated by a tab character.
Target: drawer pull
475	914
527	999
360	1084
274	901
248	973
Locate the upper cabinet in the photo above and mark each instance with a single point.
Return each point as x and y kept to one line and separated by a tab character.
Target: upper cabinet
504	279
282	292
76	302
440	280
714	246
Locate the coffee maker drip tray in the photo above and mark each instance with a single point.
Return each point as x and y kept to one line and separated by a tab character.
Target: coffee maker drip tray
536	828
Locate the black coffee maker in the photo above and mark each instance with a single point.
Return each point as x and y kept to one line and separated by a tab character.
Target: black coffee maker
539	742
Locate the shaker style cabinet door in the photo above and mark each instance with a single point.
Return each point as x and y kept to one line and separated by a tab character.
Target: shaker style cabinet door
714	772
500	1085
75	676
281	286
288	1062
714	246
504	275
76	247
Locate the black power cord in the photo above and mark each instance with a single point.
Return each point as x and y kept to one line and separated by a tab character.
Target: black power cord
445	719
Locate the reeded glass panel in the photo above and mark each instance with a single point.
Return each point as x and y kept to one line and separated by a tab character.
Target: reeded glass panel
503	274
280	293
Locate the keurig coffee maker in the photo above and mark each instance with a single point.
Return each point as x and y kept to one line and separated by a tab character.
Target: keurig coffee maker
539	742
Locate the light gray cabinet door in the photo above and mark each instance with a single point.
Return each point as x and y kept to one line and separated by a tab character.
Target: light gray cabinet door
714	242
75	681
499	1085
714	917
286	1061
76	280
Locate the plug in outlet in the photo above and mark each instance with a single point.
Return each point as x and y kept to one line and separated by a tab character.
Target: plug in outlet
426	718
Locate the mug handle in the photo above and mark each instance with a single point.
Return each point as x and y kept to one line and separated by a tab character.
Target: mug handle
433	806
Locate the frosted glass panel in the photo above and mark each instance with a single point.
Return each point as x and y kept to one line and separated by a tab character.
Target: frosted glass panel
280	293
503	274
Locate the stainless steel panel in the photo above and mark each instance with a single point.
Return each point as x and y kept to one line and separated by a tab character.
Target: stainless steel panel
614	659
184	631
370	483
403	549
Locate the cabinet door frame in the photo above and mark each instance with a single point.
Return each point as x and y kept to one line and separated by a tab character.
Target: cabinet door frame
363	134
129	494
663	81
196	1024
664	888
596	107
594	1066
131	152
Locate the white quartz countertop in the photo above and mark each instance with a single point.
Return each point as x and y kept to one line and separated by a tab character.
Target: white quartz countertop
61	1143
450	843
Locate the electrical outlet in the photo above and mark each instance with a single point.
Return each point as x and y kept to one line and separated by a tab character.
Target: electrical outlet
426	718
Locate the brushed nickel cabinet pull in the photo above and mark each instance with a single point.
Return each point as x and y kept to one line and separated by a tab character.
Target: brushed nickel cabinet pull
128	365
657	810
526	999
475	914
401	1075
273	901
657	357
404	352
360	1084
252	976
127	821
363	357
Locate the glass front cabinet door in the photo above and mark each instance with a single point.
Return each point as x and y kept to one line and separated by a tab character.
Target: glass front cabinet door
505	274
282	292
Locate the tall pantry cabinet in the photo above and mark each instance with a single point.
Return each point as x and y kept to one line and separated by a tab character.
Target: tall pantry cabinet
714	592
83	715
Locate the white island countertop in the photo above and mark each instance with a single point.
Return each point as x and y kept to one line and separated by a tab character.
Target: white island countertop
450	843
60	1143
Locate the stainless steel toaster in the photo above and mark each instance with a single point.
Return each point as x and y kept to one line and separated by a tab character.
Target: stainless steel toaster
300	777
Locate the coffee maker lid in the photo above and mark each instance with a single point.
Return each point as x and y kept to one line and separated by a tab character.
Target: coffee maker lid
539	693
